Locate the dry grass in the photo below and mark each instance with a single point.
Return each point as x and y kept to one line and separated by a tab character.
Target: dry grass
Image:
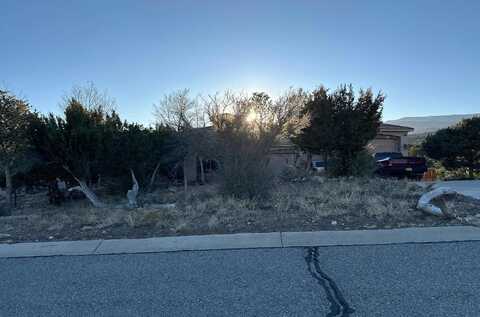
298	204
313	204
335	197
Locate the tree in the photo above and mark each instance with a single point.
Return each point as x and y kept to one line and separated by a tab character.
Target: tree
90	97
184	116
339	124
14	143
457	146
97	149
135	147
179	111
78	143
246	129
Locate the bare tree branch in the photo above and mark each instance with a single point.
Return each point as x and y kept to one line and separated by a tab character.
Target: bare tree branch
90	97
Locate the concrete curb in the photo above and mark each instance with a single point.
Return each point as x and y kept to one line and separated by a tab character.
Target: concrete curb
242	241
382	236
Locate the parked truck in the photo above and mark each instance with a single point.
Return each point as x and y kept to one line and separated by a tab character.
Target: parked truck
392	164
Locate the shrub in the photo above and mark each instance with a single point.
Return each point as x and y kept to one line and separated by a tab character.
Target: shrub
294	174
4	211
249	180
456	147
246	128
340	124
363	165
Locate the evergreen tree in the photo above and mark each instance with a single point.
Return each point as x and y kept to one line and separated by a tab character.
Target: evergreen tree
14	142
457	146
339	125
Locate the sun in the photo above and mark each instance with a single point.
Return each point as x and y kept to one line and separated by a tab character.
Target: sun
251	117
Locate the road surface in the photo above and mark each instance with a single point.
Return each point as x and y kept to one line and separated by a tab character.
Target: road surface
441	279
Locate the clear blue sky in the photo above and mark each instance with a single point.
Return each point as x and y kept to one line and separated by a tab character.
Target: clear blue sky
423	54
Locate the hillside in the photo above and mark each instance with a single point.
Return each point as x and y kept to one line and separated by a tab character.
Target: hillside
429	124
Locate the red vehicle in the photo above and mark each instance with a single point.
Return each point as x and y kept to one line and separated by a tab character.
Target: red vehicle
396	165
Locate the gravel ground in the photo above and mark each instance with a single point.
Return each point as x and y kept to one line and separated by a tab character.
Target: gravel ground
326	204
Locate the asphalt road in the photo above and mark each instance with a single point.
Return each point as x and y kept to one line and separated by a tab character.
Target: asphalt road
398	280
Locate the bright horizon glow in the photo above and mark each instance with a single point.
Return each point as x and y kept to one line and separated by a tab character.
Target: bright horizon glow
422	54
251	117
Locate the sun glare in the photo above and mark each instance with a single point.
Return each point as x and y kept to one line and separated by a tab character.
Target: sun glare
252	116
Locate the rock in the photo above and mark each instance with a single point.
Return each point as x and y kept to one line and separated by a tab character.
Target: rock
318	179
50	238
21	218
162	206
334	223
85	228
5	235
472	220
8	227
55	227
103	225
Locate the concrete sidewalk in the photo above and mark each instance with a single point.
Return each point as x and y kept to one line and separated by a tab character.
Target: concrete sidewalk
467	187
242	241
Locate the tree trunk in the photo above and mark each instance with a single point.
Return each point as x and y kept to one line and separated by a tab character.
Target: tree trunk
308	163
8	185
154	176
470	172
133	193
202	171
325	161
96	202
185	180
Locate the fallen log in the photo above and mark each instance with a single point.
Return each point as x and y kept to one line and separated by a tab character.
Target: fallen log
425	201
83	187
96	202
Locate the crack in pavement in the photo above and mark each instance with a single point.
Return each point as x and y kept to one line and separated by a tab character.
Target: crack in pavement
338	304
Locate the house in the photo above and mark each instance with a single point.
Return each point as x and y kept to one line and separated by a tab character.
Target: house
390	138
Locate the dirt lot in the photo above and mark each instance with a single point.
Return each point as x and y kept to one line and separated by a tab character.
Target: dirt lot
314	204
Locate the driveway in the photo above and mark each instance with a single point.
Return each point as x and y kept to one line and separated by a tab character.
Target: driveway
467	188
435	279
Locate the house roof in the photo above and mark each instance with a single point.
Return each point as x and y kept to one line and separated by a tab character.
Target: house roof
394	127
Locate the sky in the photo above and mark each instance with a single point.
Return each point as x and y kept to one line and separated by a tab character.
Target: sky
423	54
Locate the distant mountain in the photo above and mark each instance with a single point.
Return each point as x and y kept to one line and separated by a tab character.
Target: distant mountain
429	124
